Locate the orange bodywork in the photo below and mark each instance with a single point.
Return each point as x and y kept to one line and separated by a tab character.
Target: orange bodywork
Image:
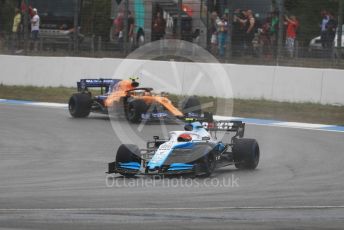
121	89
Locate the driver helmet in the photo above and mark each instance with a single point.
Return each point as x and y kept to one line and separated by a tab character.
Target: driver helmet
184	137
134	81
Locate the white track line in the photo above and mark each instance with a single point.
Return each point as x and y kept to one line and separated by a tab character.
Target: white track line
259	122
177	209
49	104
296	127
281	124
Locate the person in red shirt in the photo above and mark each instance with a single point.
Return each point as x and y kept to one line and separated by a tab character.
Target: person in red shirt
24	9
292	26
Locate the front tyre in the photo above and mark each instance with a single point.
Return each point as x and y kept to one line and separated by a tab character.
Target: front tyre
209	164
246	153
134	110
79	105
128	153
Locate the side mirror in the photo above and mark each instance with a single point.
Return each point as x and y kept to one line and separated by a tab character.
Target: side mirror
156	137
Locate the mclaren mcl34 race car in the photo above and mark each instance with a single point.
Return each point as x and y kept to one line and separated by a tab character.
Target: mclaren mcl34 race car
195	151
125	98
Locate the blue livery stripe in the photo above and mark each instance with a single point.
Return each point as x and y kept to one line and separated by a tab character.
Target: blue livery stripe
130	165
180	166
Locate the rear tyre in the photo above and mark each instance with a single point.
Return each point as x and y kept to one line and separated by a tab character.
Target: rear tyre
191	105
128	153
134	110
79	105
246	153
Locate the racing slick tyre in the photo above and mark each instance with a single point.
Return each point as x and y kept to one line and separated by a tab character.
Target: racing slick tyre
246	153
191	105
128	153
209	164
135	109
79	105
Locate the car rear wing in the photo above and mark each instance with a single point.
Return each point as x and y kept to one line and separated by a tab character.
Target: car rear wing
103	83
227	126
207	121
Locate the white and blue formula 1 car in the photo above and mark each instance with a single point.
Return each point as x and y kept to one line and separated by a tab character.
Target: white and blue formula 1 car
195	150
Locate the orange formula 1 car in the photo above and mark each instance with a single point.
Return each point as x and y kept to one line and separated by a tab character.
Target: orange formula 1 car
124	97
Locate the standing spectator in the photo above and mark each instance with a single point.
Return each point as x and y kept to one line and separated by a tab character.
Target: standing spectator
131	27
258	41
325	18
35	20
249	31
238	33
16	30
140	37
159	27
119	25
274	27
222	32
331	28
292	26
265	37
213	32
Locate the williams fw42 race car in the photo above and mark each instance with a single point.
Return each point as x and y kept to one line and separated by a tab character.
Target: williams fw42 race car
125	98
195	150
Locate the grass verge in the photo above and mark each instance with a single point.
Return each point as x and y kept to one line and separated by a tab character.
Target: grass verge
298	112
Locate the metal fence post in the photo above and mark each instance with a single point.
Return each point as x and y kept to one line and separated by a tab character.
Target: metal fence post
340	30
207	27
179	23
92	45
125	24
26	28
76	27
99	45
280	44
230	30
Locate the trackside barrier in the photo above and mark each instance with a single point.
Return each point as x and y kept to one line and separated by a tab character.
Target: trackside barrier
276	83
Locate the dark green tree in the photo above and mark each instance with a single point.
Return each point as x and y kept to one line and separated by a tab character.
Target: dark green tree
7	14
95	18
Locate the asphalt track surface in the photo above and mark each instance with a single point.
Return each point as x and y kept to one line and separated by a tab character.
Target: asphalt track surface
52	176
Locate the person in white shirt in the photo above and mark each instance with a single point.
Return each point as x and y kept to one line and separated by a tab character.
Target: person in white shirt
325	19
35	27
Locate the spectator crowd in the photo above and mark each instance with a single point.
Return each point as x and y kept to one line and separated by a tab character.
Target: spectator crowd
244	30
328	27
253	36
18	28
